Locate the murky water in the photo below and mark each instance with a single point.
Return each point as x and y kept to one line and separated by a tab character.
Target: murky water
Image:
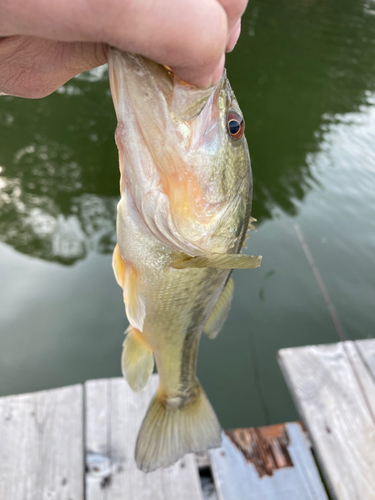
304	74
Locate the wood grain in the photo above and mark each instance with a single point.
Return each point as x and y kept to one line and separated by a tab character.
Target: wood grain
366	349
334	391
41	445
237	475
113	416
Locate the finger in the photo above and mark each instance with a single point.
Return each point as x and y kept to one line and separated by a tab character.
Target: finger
190	36
234	10
193	40
218	71
234	36
34	67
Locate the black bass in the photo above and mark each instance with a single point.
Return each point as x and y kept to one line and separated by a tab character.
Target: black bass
186	190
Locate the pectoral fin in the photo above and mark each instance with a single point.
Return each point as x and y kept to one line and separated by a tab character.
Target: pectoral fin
119	267
137	361
134	303
220	311
219	261
127	278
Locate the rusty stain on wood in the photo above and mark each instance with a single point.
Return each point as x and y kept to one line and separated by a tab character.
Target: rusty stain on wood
265	447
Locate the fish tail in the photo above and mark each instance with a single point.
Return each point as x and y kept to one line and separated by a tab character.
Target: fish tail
168	432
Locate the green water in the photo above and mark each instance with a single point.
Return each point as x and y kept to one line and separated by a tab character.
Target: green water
304	74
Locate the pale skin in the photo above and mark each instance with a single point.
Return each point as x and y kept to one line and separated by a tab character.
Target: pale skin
44	43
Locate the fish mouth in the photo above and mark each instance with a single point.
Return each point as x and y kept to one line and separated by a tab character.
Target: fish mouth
188	101
138	82
160	112
183	100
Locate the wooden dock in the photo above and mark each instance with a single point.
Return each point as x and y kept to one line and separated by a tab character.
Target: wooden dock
77	442
334	390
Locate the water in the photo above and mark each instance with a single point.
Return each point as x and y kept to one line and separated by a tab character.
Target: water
304	74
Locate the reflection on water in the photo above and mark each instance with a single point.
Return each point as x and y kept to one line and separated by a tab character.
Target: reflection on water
297	65
304	74
53	202
303	61
31	217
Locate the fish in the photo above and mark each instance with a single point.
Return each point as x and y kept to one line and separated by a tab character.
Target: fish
182	220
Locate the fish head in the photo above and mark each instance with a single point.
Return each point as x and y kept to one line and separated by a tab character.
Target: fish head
183	155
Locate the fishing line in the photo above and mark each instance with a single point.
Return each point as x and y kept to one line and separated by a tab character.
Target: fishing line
321	285
335	319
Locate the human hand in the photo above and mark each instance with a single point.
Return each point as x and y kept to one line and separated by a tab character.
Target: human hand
47	42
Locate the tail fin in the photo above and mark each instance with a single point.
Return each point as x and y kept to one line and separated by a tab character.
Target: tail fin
168	433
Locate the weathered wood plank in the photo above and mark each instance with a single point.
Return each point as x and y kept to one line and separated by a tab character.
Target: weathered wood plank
41	445
266	464
335	394
367	351
113	416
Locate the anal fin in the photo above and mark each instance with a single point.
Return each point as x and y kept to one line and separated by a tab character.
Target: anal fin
220	311
219	261
137	360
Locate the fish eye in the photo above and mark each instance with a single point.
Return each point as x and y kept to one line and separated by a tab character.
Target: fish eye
235	125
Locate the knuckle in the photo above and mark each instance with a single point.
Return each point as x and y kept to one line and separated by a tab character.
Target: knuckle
234	9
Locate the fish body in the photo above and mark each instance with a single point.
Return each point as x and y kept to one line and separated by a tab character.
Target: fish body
186	190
